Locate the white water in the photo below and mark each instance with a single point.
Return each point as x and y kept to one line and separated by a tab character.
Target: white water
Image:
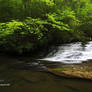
71	53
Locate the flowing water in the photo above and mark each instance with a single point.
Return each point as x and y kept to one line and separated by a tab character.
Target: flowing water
71	53
24	74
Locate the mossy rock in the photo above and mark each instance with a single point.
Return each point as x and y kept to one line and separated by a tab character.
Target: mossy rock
81	71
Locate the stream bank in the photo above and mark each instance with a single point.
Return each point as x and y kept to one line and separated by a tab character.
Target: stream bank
80	71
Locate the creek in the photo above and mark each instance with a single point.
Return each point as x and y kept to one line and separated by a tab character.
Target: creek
21	74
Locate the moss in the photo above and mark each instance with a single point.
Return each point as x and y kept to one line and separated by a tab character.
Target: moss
78	71
64	69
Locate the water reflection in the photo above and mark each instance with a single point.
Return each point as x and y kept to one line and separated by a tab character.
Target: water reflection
25	74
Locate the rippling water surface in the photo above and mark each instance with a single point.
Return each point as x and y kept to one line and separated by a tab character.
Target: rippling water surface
24	74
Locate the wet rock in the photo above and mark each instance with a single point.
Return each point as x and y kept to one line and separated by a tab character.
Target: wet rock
83	71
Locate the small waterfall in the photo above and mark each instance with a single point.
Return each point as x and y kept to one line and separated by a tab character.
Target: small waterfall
71	53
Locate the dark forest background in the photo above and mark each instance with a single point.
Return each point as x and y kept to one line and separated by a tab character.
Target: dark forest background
29	25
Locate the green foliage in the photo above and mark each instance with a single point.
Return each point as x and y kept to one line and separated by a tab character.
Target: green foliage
26	25
21	36
7	29
35	26
57	24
